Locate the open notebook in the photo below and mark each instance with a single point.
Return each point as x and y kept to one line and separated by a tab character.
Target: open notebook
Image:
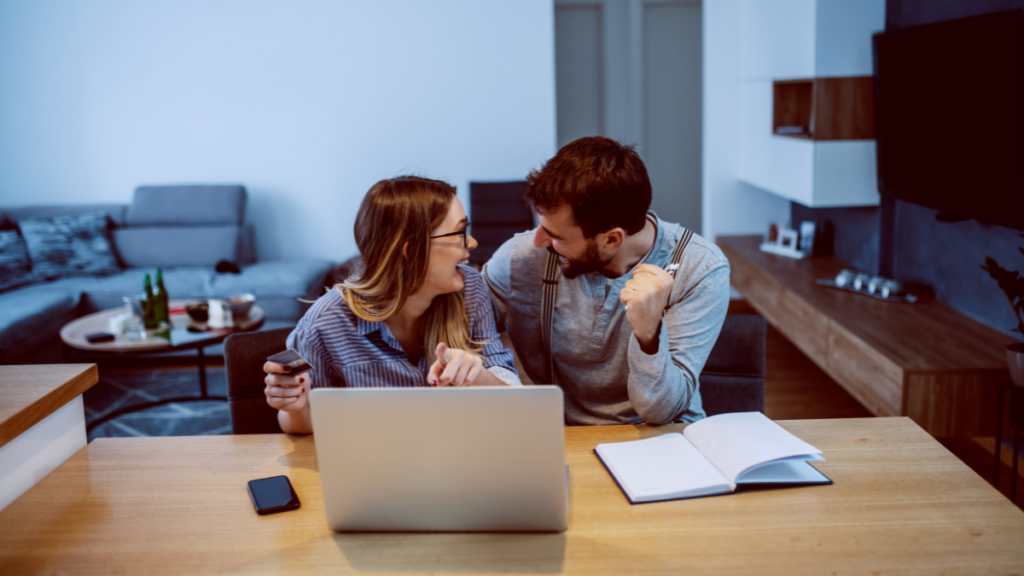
711	456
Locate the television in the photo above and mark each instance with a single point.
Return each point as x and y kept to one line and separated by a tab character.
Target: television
949	116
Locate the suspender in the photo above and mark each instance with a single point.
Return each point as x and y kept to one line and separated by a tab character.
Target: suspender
677	254
547	309
550	294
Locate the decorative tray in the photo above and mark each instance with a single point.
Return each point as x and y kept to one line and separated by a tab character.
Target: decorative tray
876	287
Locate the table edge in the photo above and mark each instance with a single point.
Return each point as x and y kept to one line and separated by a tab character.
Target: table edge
49	403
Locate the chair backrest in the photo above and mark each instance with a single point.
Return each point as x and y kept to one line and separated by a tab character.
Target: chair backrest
497	211
733	376
244	356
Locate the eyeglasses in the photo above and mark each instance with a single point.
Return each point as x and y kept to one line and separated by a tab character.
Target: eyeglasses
464	233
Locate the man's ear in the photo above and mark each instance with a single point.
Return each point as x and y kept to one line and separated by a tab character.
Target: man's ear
611	241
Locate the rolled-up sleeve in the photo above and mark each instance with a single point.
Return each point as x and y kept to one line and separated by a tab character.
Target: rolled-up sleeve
483	329
662	385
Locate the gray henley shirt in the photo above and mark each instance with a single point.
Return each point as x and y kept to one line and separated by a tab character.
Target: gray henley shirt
605	376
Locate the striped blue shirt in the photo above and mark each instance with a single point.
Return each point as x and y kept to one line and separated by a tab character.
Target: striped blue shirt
347	351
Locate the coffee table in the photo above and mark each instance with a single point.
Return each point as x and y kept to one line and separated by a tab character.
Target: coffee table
73	336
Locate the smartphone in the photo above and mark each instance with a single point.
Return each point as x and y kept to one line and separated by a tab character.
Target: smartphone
274	494
292	359
96	337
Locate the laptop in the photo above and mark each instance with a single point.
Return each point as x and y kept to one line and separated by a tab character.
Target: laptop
467	459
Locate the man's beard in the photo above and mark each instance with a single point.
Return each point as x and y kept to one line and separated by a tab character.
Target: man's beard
591	261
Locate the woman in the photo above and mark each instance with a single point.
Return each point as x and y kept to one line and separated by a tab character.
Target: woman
414	316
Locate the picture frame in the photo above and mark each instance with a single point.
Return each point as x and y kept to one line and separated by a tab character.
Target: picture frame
782	240
788	239
807	229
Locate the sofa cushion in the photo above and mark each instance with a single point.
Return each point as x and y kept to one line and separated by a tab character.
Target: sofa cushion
70	245
104	293
30	318
276	285
192	205
166	247
188	282
15	267
9	217
276	278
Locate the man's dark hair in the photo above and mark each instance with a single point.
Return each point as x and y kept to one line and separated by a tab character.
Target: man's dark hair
604	183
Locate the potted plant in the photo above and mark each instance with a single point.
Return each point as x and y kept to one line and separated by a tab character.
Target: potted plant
1012	284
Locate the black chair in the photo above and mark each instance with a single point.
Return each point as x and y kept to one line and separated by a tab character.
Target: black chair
497	211
733	376
244	356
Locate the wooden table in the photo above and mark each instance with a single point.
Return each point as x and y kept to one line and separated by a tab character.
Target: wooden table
42	421
901	504
73	333
924	360
73	336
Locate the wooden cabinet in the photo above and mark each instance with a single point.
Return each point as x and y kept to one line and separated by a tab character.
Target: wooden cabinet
806	102
924	360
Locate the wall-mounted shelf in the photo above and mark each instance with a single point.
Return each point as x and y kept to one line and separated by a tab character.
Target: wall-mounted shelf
793	108
806	119
814	172
824	108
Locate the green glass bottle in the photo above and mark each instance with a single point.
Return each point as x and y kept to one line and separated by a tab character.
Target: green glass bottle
149	306
163	309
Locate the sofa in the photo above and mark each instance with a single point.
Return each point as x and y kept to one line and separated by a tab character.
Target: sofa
185	230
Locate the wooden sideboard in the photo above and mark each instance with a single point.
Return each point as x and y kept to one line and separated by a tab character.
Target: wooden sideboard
923	360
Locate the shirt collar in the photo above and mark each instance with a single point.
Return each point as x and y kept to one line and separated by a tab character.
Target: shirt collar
659	252
369	326
654	255
664	242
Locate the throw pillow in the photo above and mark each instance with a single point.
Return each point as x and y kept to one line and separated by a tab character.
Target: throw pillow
15	268
70	245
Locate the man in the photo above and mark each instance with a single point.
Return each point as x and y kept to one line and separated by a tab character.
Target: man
628	340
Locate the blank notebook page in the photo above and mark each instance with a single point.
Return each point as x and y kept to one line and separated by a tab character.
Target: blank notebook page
737	441
660	466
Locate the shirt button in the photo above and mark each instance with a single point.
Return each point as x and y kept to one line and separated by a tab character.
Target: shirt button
597	338
602	319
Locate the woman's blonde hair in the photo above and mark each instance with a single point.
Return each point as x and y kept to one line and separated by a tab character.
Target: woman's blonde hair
396	213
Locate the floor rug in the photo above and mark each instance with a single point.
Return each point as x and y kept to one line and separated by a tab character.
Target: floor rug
120	387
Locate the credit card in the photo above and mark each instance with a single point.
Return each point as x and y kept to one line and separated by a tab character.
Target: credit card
292	359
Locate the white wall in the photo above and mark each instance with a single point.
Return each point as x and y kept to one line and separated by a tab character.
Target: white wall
729	206
306	102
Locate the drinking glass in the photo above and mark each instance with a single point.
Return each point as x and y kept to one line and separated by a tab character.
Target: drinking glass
134	324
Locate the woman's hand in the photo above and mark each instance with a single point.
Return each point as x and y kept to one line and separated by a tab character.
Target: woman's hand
285	391
455	367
